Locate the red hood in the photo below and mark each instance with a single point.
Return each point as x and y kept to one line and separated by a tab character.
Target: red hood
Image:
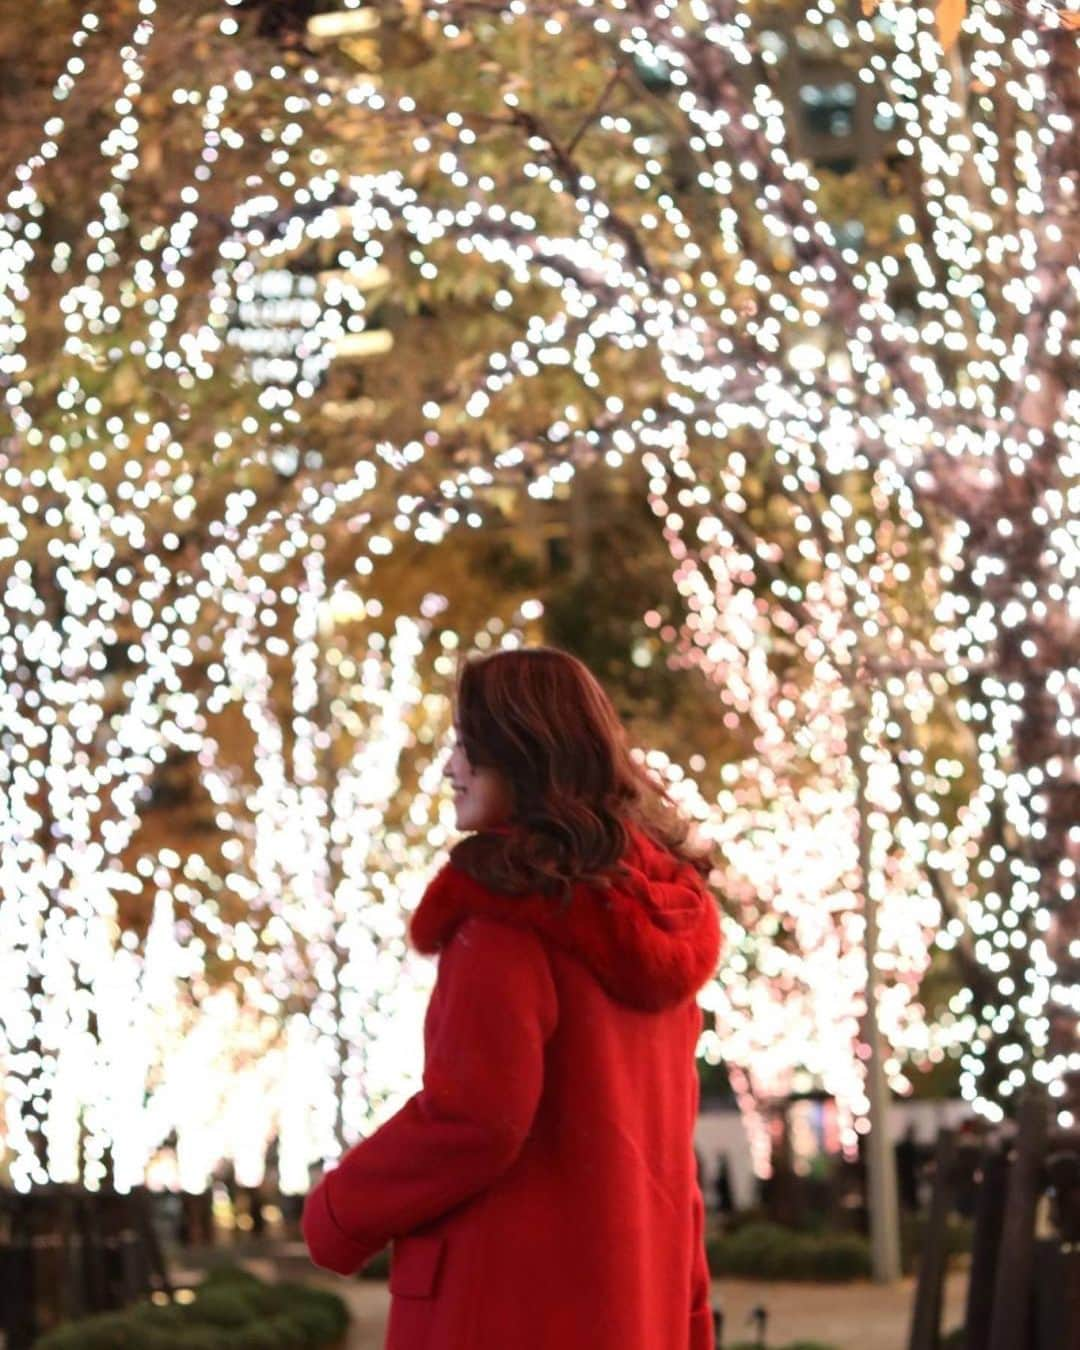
651	938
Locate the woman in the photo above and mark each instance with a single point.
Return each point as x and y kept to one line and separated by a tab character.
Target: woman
540	1190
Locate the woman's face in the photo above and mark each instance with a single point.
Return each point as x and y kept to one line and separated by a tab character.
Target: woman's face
481	796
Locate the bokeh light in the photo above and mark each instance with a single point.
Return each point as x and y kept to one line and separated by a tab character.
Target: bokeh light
863	461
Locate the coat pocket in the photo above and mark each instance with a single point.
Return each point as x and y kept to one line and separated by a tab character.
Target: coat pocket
415	1265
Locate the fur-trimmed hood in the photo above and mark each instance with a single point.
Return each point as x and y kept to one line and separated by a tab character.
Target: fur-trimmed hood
651	938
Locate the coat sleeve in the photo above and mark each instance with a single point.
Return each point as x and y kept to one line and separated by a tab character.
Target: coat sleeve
493	1008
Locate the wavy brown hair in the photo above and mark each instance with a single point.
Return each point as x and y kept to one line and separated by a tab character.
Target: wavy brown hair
539	717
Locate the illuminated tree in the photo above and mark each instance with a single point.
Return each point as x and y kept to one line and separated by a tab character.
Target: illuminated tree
831	430
138	435
328	794
276	293
330	822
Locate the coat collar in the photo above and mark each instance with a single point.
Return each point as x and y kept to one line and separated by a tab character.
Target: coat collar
651	938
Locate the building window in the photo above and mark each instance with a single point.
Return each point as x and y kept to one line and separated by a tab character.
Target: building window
829	110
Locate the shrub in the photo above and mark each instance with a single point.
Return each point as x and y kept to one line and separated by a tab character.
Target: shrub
226	1307
767	1251
839	1256
793	1345
110	1331
959	1235
232	1310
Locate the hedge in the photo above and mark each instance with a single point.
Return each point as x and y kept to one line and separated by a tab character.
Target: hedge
773	1252
793	1345
232	1310
959	1236
757	1250
834	1250
767	1251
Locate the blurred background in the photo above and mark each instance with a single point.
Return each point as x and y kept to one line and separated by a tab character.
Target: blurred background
730	346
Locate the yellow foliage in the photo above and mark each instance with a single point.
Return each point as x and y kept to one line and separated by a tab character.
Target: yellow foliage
950	15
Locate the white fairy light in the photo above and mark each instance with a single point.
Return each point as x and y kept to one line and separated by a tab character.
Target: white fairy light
759	339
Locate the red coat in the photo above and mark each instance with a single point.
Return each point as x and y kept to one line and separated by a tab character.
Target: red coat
541	1188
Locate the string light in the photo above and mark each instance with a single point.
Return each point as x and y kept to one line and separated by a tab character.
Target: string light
863	462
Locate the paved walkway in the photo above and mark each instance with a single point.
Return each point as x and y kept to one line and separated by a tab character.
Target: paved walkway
859	1316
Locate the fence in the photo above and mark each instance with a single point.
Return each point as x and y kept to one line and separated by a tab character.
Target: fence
1024	1285
67	1252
